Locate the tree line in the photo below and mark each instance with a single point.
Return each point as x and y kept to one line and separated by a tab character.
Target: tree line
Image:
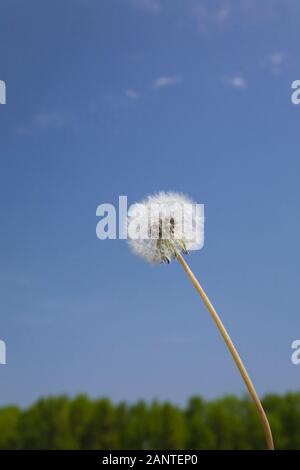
82	423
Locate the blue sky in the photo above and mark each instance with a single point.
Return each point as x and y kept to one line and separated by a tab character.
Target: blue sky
109	98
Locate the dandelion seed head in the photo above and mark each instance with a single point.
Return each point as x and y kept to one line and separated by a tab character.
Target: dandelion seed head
163	224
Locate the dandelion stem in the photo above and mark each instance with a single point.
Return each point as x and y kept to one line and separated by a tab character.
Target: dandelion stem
233	351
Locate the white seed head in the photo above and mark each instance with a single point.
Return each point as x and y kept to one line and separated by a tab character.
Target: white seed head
163	224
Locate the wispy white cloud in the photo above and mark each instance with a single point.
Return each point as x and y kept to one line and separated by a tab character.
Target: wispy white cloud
147	6
166	81
132	94
201	16
237	81
117	100
211	17
223	13
276	60
46	120
208	16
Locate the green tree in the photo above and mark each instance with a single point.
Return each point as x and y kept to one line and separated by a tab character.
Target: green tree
9	418
167	427
138	427
46	425
225	419
81	412
101	432
284	415
199	435
81	423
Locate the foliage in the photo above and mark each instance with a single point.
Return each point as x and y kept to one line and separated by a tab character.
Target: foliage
82	423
